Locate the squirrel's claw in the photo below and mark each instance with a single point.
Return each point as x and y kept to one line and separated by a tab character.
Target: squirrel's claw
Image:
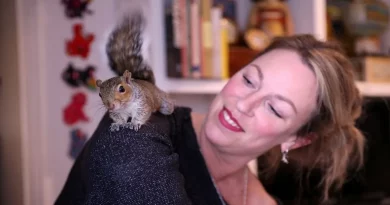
115	126
133	126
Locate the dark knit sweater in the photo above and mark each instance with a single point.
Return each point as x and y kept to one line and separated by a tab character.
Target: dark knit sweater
159	164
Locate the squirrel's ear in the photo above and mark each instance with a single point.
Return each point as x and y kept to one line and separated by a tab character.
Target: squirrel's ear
98	83
127	76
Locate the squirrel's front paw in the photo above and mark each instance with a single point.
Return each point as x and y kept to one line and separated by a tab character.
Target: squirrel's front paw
133	126
115	127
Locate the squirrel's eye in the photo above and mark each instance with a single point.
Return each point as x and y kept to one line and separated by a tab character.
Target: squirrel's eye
100	95
121	89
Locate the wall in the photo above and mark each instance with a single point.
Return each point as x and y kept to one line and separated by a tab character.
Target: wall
11	188
57	94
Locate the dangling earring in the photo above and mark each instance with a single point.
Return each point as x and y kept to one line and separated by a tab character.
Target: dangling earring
284	156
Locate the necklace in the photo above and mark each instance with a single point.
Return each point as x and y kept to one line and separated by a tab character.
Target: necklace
245	188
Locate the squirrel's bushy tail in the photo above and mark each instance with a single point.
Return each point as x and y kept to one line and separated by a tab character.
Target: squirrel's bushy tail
124	47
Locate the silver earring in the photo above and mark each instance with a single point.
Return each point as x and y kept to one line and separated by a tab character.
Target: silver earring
284	156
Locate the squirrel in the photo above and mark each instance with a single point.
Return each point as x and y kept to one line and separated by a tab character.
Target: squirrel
133	93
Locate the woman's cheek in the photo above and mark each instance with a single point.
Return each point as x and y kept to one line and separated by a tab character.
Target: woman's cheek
232	87
266	127
227	90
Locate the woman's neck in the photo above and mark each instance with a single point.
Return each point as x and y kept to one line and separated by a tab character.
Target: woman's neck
221	164
228	171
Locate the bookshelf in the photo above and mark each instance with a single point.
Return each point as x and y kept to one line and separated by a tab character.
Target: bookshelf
196	87
213	87
374	89
308	17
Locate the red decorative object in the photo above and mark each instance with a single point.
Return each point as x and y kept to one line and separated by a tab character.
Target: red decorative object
80	44
74	111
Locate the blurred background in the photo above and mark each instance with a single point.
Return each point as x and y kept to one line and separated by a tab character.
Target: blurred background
53	51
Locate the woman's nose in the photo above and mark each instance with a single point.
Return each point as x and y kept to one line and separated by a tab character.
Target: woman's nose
247	104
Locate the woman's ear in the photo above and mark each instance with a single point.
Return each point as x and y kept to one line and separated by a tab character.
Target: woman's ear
298	142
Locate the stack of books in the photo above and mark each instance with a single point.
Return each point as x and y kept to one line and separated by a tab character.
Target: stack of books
197	44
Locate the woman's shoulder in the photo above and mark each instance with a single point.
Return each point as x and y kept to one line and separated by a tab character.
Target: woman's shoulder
141	161
159	128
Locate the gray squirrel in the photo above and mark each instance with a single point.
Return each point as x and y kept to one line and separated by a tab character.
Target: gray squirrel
133	93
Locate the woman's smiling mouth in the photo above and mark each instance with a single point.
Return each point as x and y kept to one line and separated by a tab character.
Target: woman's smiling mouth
228	121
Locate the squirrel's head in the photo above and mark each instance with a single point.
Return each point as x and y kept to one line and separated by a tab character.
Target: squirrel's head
115	92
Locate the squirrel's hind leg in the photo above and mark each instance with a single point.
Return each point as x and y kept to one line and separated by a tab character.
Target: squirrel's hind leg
167	106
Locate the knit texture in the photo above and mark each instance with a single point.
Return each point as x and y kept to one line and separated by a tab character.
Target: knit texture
127	167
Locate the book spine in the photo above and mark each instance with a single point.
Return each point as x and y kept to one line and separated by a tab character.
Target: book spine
207	44
183	25
216	17
172	38
224	50
195	39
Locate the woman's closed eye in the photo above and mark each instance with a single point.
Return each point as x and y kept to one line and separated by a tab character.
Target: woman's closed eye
247	81
274	111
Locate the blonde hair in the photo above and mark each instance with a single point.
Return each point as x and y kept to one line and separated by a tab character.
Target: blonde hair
339	144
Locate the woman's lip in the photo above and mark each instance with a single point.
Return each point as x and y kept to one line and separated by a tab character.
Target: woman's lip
227	124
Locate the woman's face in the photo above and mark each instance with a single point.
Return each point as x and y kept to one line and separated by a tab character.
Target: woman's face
263	105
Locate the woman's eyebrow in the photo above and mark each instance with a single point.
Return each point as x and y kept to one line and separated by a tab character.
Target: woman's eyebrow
261	76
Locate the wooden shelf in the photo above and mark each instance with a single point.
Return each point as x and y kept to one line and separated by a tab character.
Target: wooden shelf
374	89
193	86
212	87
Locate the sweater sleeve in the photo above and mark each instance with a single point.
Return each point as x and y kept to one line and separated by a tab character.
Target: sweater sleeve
133	167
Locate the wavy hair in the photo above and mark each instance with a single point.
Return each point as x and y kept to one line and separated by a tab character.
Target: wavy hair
339	144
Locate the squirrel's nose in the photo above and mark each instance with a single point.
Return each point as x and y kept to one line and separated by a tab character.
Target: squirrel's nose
111	106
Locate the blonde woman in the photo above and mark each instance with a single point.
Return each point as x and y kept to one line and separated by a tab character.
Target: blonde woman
296	99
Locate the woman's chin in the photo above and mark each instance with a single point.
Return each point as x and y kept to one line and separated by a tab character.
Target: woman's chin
216	137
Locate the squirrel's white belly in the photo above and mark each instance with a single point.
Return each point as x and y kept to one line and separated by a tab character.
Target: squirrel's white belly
133	107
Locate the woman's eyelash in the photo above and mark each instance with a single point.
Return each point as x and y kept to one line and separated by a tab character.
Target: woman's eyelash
275	112
247	81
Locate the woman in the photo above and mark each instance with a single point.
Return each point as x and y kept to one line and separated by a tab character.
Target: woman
295	99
